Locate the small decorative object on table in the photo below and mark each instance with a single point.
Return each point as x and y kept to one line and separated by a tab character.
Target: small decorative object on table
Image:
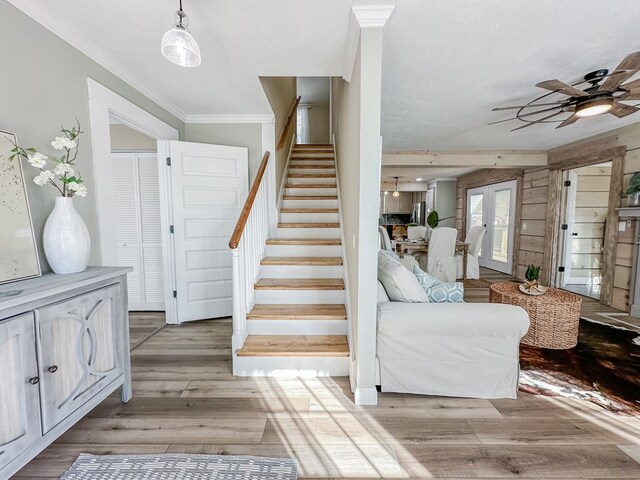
66	239
433	219
633	192
531	285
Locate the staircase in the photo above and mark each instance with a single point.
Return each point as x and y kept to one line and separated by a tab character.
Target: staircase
299	323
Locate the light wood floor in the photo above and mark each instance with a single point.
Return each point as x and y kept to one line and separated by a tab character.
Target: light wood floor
186	400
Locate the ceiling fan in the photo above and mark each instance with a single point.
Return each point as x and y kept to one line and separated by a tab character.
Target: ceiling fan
600	92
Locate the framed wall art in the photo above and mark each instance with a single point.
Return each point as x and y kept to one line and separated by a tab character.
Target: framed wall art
18	251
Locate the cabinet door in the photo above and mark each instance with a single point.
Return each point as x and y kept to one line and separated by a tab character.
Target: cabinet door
19	400
78	351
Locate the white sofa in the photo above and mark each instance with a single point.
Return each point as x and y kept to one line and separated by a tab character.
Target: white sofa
449	349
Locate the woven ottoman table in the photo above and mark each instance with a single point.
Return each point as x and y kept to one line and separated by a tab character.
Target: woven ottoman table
554	316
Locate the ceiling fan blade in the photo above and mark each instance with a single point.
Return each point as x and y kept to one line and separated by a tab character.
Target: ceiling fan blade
633	88
569	121
498	109
561	87
621	110
627	69
538	121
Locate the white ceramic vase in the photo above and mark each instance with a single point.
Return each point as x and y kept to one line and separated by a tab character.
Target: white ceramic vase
66	239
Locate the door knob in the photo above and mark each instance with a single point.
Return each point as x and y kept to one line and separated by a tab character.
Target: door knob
52	369
574	234
34	380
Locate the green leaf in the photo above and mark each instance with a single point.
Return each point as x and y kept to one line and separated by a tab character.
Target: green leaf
31	150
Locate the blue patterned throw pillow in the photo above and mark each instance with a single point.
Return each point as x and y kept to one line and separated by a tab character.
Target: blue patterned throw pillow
437	291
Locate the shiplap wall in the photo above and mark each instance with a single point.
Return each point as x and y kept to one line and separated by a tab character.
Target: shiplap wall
534	215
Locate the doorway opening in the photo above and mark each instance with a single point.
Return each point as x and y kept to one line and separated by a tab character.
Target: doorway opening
313	122
585	206
494	207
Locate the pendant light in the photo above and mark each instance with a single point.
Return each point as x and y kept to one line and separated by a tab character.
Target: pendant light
178	45
396	193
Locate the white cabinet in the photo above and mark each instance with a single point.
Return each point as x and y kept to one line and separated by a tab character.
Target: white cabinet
19	399
64	347
79	357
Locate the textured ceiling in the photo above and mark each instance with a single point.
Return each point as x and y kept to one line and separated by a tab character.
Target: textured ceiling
446	63
314	90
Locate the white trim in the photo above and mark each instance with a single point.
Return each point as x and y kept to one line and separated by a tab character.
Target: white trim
372	16
366	396
103	105
257	118
283	182
74	38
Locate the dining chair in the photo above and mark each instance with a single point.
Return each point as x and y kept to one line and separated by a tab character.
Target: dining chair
474	238
440	257
408	261
416	232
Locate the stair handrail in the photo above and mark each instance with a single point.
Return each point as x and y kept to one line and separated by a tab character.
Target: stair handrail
236	236
287	127
247	245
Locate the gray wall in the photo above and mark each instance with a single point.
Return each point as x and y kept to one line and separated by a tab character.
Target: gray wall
124	138
44	86
232	134
319	124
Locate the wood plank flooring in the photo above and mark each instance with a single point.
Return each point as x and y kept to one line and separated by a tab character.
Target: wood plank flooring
186	400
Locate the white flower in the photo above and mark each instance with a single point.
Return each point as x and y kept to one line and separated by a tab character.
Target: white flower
62	142
62	169
79	189
37	159
43	177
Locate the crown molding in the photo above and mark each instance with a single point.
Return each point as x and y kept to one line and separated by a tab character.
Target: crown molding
372	16
67	33
229	119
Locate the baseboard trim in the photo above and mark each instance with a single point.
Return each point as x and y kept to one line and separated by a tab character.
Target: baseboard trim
366	396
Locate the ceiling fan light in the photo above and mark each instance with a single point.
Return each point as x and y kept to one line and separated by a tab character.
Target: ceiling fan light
594	106
178	45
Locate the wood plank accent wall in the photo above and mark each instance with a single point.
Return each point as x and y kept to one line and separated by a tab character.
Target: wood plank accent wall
534	216
481	178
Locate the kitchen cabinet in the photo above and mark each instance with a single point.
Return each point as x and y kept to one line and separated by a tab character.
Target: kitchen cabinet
402	204
64	347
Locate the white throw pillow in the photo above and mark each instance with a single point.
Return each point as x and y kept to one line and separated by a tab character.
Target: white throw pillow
399	282
382	294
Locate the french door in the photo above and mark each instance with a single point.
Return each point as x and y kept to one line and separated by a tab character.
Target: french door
494	207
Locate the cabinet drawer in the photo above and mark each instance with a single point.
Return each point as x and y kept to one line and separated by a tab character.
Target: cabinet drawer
19	400
78	344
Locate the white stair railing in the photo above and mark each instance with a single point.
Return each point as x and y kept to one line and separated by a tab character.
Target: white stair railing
247	245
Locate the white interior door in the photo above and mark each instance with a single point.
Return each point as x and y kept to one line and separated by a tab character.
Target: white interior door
493	206
209	184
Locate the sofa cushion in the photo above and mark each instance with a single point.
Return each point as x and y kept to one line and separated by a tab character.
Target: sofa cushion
437	291
382	293
399	282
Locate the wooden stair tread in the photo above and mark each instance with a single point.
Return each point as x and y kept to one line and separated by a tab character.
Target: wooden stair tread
295	346
308	210
304	241
297	312
298	159
310	261
308	225
311	175
310	185
300	284
311	167
310	197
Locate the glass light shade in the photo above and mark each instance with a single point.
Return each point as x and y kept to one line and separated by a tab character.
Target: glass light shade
396	193
595	106
179	47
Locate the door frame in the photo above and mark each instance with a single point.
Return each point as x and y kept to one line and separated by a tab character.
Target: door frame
488	205
552	254
104	105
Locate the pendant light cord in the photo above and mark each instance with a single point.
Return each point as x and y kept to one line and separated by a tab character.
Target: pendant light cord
181	14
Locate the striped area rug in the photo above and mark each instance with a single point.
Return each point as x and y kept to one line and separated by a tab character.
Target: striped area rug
180	467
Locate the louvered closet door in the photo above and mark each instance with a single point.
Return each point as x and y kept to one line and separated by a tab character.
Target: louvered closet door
149	187
127	223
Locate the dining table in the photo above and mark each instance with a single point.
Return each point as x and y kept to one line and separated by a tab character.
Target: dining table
423	246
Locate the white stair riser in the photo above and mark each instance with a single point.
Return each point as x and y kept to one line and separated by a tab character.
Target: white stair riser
300	271
303	251
310	153
310	192
309	217
308	233
299	296
310	203
297	327
297	181
291	366
311	171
